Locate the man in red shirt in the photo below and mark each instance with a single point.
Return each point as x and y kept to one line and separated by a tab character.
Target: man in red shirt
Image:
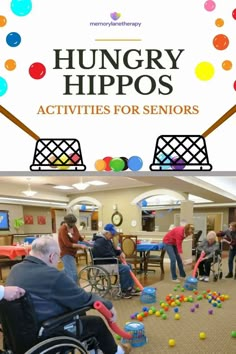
68	237
173	244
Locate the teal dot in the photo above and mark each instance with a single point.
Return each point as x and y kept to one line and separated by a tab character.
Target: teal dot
117	164
3	86
21	7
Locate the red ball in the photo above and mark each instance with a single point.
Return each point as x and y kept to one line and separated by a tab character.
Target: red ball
107	160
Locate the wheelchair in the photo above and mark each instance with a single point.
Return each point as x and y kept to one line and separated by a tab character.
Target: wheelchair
216	265
23	335
101	276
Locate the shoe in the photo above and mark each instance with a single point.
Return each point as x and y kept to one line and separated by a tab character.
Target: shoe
229	275
135	292
201	278
176	280
183	277
126	347
235	276
206	279
126	295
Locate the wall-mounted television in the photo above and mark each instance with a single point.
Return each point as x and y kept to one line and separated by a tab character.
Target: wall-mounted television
4	220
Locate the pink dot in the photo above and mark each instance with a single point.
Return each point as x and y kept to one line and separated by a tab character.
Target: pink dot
234	14
37	71
235	85
209	5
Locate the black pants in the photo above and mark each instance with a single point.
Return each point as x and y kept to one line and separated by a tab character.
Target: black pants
94	326
205	267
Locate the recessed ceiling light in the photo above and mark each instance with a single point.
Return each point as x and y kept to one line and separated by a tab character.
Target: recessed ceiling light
63	187
97	183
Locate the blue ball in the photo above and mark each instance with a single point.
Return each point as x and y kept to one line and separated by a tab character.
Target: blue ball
135	163
13	39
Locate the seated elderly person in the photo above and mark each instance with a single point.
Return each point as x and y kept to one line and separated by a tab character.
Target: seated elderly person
54	293
210	246
103	247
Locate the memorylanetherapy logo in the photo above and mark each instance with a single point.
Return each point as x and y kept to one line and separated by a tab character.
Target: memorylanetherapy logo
116	22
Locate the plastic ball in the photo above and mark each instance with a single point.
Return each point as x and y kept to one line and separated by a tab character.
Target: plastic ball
202	335
158	314
164	316
177	316
210	312
118	337
233	334
171	342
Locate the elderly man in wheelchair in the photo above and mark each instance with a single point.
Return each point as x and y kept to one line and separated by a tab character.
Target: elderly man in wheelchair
51	316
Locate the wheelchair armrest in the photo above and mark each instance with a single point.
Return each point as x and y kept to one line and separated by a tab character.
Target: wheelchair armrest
60	320
106	260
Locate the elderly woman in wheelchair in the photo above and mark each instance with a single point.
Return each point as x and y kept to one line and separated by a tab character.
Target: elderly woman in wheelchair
211	249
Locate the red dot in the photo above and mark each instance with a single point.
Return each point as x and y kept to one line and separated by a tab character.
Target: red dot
235	85
37	71
234	14
107	159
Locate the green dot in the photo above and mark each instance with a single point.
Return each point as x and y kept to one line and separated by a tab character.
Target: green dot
117	164
233	334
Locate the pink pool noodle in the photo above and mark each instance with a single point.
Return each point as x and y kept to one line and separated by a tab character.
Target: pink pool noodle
98	305
197	263
137	282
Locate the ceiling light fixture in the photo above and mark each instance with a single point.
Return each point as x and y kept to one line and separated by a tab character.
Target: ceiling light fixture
81	186
29	193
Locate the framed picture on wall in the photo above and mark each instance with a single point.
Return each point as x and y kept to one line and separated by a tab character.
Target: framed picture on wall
41	220
28	219
4	220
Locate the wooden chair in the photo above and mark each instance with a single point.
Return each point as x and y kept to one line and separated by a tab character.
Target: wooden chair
6	262
128	244
155	260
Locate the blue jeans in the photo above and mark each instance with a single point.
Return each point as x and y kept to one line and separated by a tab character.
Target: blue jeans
70	267
174	257
126	281
232	254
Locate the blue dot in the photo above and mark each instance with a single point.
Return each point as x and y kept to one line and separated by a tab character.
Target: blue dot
21	7
144	203
3	86
13	39
135	163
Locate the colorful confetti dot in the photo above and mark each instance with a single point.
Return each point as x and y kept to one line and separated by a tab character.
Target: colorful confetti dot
100	165
209	5
135	163
235	85
21	7
107	160
204	71
234	14
227	65
117	164
126	163
219	22
10	64
13	39
37	71
221	42
3	21
3	86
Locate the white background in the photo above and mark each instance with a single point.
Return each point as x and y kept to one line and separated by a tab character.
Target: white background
169	24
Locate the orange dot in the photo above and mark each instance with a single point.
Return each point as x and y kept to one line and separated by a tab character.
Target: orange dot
221	41
100	165
3	21
10	64
219	22
227	65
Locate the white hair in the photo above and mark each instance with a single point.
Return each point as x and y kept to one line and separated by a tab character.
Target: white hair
44	245
211	235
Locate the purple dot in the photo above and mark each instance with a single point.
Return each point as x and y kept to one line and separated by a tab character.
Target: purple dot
177	163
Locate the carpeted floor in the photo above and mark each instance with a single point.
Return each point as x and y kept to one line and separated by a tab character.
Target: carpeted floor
194	318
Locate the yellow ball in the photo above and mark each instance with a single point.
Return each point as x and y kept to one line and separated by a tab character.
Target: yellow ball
171	342
157	313
177	316
63	159
202	335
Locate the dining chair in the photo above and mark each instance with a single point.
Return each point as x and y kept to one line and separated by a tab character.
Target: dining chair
128	244
155	260
81	255
6	262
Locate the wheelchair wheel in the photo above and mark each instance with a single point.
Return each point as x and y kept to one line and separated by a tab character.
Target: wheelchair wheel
58	345
95	279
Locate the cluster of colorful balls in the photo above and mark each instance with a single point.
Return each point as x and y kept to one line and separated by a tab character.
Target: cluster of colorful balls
205	70
37	70
118	164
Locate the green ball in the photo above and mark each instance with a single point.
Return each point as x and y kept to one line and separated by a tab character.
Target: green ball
164	316
233	334
117	164
118	337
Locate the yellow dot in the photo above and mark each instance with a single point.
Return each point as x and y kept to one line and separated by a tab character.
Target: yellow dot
219	22
10	64
3	21
227	65
202	335
171	342
60	161
204	71
100	165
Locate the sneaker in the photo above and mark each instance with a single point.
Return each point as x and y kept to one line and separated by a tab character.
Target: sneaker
126	347
229	275
135	292
176	280
183	277
206	279
126	295
201	278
